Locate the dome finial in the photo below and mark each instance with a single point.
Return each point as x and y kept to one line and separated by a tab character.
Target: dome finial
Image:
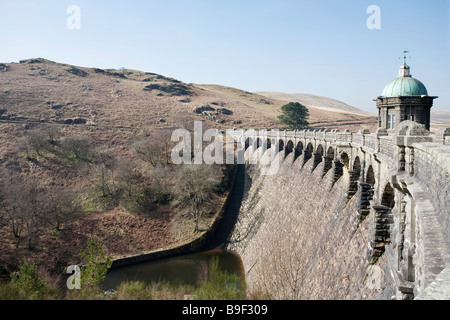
404	56
405	69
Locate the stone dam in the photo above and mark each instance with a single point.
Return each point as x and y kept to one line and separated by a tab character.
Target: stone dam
347	215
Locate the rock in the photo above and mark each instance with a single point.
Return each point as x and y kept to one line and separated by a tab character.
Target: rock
77	72
3	67
79	121
68	121
86	88
264	101
161	120
225	111
203	108
173	89
116	74
31	61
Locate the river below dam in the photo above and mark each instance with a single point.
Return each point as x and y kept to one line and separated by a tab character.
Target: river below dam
185	268
180	269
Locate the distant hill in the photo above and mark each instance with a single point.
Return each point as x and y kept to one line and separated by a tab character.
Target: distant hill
329	113
42	91
440	116
314	101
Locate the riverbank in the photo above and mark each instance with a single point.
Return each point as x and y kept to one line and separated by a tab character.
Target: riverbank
200	242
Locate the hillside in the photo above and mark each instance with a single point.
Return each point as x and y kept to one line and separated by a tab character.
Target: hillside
336	115
38	90
70	137
440	117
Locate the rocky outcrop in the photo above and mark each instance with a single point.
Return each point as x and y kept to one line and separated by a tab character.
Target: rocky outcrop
173	89
77	72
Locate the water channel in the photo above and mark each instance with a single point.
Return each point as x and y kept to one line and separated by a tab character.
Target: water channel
184	269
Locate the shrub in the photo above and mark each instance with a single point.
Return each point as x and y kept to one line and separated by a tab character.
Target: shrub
220	285
133	290
27	284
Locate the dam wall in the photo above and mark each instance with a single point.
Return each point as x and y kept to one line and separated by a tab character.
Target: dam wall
345	215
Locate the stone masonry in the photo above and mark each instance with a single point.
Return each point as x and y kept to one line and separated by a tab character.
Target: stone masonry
368	220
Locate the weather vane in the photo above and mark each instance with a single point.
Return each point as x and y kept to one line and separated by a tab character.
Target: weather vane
404	56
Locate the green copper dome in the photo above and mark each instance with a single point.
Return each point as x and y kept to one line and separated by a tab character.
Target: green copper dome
405	85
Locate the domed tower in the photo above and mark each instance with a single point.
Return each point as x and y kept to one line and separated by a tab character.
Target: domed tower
404	98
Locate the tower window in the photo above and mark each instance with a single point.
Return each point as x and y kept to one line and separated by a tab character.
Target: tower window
391	121
409	114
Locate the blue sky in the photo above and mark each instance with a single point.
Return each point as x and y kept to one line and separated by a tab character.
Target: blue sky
320	47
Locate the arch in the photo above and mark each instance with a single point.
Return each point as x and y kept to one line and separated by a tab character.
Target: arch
318	156
370	176
298	150
328	160
259	143
383	221
366	195
345	159
388	197
330	153
357	166
289	147
269	143
248	142
280	145
308	152
319	150
355	173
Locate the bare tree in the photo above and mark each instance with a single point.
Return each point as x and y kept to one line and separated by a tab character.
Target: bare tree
78	148
52	134
34	143
156	148
195	185
60	206
105	166
128	176
32	206
10	209
23	206
24	209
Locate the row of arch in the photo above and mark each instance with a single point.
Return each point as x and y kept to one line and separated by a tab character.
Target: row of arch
319	156
362	179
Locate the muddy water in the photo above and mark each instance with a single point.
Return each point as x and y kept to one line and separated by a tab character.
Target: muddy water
182	269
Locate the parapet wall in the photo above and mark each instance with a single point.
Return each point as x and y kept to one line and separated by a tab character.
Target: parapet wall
348	215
